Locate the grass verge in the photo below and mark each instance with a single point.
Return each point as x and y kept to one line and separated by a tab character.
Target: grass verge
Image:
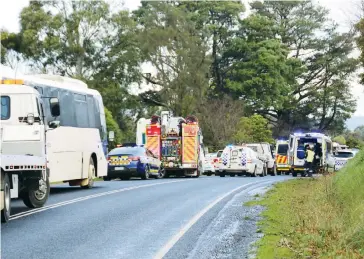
315	218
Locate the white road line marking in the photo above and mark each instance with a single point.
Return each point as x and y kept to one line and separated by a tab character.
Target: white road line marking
60	204
164	250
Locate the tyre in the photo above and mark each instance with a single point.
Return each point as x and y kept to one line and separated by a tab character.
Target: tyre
254	174
262	174
274	170
161	173
106	178
36	198
198	174
265	170
91	175
5	212
222	174
294	173
146	175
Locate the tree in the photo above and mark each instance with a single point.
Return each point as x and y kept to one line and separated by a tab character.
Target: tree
177	52
320	96
112	125
340	139
218	118
360	132
253	129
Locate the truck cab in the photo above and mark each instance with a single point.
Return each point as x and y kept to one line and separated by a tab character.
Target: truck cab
23	161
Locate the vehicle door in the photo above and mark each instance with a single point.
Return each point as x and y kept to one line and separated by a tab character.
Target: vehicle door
235	158
152	161
255	161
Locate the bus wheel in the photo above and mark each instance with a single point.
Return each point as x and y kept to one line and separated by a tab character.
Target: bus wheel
91	175
36	198
5	212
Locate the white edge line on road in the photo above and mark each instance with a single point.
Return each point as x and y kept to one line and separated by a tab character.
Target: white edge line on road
164	250
60	204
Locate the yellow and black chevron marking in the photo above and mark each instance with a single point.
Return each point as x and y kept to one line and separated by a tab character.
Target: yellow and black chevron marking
281	159
153	144
123	160
189	150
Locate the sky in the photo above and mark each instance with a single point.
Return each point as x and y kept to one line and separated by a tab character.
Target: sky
341	11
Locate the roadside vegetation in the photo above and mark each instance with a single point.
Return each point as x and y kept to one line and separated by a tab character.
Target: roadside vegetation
315	218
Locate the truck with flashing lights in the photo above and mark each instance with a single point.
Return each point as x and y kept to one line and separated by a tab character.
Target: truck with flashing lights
322	146
176	141
281	156
23	159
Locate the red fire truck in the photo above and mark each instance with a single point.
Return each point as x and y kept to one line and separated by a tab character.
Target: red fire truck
176	141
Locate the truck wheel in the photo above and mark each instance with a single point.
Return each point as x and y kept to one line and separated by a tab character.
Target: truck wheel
91	175
36	198
5	212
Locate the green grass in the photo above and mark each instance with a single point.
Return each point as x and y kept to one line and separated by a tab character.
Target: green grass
315	218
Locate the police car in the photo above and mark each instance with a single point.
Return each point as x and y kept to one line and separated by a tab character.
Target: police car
342	157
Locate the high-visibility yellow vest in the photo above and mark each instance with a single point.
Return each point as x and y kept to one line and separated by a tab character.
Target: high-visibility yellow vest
310	156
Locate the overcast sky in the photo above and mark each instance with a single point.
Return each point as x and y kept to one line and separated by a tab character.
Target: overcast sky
342	11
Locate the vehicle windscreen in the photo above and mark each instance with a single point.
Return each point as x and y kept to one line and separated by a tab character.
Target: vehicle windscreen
5	107
282	149
255	148
134	151
219	154
344	155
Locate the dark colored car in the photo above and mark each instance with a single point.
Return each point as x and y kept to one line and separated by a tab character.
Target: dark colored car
132	161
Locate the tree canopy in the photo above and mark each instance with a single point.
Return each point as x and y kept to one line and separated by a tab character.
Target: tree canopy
285	64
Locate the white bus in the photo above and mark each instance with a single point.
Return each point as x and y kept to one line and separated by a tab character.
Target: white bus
77	149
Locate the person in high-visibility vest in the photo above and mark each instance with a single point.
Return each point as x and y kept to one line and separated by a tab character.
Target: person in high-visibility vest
310	156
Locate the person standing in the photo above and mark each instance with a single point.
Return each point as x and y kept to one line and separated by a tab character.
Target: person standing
310	155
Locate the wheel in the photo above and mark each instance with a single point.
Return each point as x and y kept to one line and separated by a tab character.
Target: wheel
222	174
198	174
279	172
145	176
91	175
274	171
294	173
5	212
36	198
254	174
106	178
161	172
265	170
262	174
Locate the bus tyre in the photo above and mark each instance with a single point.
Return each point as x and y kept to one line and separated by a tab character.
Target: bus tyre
36	198
91	175
5	212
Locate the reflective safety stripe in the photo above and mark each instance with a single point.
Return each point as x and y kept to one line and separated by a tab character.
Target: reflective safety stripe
310	156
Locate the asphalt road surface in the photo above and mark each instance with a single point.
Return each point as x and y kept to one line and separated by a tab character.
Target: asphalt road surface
166	218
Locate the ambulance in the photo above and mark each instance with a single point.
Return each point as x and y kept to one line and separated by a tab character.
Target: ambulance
281	156
176	141
322	146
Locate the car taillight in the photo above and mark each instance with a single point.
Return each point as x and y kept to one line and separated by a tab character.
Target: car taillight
216	160
135	158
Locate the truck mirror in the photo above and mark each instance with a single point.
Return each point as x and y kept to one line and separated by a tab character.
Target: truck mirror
111	135
54	106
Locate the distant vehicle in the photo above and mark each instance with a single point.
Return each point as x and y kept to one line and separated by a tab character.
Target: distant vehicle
208	165
176	141
342	157
240	160
217	161
322	145
133	161
264	152
281	156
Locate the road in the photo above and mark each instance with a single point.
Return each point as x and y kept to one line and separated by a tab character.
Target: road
170	218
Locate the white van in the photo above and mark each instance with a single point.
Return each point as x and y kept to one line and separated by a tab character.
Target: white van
240	160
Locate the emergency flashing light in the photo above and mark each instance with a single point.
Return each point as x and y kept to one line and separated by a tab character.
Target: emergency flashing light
12	82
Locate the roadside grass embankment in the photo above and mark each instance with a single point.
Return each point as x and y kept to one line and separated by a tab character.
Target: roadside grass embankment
315	218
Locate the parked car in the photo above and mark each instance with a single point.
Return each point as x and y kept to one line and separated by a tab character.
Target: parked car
342	157
217	161
265	153
240	160
133	161
208	164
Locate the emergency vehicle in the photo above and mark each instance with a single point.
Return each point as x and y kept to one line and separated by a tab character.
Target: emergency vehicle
176	141
23	150
322	146
342	157
241	160
281	156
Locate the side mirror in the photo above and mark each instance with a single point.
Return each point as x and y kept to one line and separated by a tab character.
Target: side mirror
54	124
54	106
111	135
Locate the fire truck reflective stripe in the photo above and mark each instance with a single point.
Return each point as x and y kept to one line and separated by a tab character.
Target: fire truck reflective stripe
153	144
189	150
281	159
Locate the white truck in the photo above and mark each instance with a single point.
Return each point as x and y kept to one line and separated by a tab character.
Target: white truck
266	155
23	161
